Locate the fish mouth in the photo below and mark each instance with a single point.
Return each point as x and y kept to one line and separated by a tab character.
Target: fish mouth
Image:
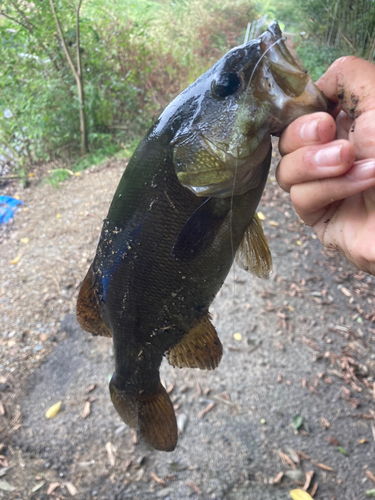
290	87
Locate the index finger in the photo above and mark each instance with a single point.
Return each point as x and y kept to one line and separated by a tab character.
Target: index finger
307	130
350	81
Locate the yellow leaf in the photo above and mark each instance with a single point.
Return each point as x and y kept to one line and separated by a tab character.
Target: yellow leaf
300	495
261	216
16	197
24	240
299	243
31	174
17	259
77	173
273	223
53	410
58	216
362	441
237	336
291	308
272	179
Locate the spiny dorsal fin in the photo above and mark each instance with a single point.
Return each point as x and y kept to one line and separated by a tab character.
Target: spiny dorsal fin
199	348
88	309
254	254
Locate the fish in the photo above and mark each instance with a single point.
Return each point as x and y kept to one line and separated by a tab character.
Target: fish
185	207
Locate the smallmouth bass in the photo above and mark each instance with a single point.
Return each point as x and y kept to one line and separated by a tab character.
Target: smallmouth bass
184	206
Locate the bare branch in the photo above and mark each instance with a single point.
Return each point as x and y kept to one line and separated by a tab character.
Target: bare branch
2	13
78	45
65	48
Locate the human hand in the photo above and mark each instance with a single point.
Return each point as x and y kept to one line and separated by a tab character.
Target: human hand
328	163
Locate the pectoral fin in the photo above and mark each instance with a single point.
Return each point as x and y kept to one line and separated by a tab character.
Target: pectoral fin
254	254
199	348
200	229
88	309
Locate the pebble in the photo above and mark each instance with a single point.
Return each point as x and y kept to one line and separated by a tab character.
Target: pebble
182	421
164	492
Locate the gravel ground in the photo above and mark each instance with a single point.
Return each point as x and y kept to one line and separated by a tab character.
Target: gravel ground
291	404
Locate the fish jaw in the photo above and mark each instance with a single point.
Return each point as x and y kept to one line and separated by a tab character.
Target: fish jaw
290	89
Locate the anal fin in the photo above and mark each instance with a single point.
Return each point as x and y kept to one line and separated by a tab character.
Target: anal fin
88	308
254	254
199	348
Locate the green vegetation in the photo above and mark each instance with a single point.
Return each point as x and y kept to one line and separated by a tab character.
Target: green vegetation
132	58
330	29
88	78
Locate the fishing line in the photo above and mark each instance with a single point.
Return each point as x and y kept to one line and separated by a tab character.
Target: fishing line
257	63
231	236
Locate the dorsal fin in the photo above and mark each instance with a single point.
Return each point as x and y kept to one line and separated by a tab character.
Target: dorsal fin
199	348
254	254
88	309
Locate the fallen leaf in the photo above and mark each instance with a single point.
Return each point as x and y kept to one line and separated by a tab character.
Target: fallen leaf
333	441
325	422
322	466
277	479
156	478
297	422
16	260
52	487
296	475
313	489
346	292
273	223
24	240
53	410
309	475
370	493
38	486
237	336
3	471
362	441
71	488
299	243
342	450
2	410
90	388
206	410
261	216
58	216
86	409
194	487
300	495
111	453
4	485
286	460
370	475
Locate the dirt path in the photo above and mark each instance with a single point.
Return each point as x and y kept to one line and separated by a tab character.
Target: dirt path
306	347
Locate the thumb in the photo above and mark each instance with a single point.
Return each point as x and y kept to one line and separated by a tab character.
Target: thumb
350	81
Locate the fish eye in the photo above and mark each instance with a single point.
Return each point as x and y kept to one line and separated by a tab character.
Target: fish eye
225	85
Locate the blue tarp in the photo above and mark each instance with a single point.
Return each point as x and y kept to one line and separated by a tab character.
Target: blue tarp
8	206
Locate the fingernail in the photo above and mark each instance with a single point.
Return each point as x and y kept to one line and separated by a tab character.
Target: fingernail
309	131
362	170
328	157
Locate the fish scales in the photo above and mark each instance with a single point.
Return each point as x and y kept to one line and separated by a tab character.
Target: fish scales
185	204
